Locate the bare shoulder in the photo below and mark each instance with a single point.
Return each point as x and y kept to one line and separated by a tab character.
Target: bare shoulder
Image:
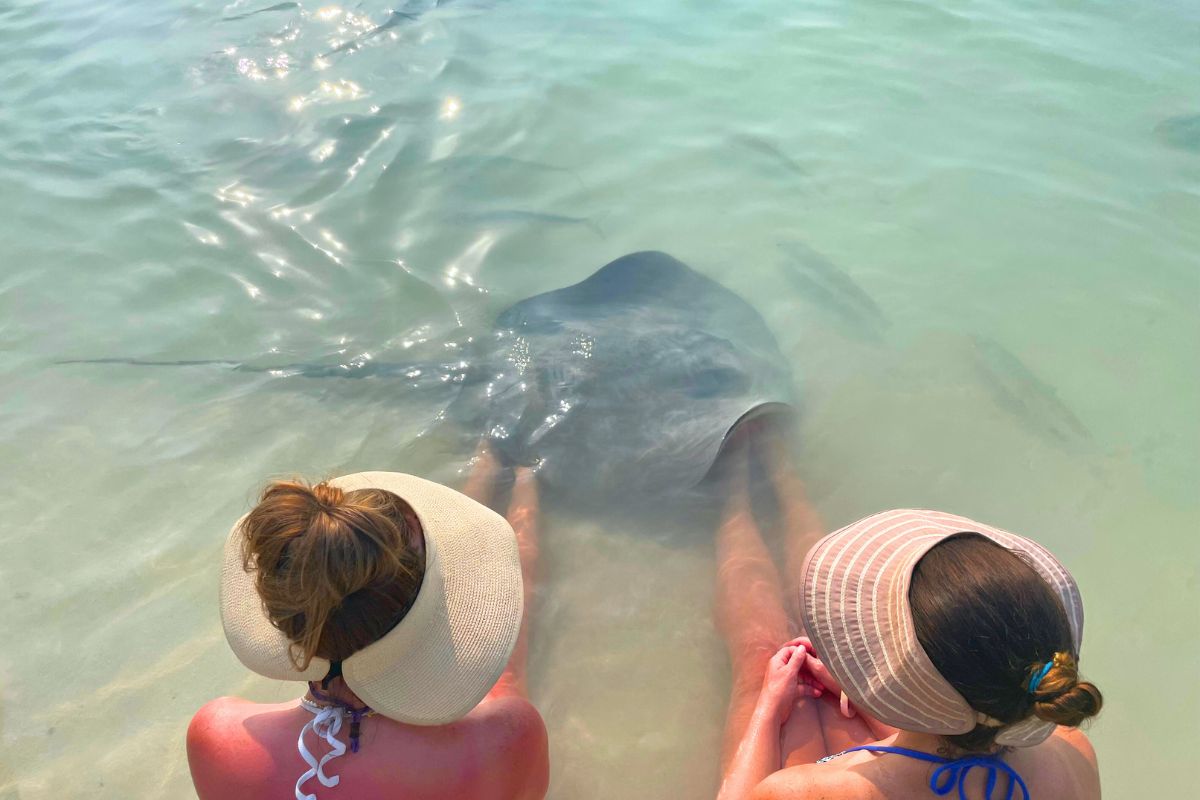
1078	772
508	716
1077	741
510	725
808	782
513	733
213	720
211	735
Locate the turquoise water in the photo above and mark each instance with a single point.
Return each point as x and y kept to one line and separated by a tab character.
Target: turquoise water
1016	185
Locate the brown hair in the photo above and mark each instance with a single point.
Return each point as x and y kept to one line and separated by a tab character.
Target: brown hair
990	623
335	570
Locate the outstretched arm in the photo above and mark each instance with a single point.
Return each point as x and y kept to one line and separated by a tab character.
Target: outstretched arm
523	515
802	526
748	597
485	471
780	716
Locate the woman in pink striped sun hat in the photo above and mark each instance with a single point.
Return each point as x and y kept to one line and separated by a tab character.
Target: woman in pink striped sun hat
938	656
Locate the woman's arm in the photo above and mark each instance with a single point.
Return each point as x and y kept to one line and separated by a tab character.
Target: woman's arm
485	473
758	753
523	515
815	674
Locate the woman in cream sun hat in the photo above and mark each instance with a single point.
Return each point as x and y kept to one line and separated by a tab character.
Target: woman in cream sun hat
400	602
939	657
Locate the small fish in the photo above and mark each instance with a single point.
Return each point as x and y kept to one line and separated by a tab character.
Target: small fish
771	152
827	300
832	275
411	12
1182	132
1025	395
276	7
508	216
408	14
831	288
485	162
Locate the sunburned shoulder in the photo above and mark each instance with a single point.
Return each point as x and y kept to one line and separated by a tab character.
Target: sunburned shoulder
215	732
511	736
213	720
507	717
224	716
503	736
510	723
510	707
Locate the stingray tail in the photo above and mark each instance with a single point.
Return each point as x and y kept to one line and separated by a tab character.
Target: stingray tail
139	362
414	374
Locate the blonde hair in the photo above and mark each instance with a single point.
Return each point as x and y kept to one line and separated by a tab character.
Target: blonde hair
335	570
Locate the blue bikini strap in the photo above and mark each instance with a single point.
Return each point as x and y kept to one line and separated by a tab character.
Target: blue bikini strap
951	774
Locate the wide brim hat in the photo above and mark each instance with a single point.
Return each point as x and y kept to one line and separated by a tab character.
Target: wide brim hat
449	649
855	608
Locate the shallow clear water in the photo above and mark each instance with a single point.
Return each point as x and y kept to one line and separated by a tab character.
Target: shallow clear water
1015	184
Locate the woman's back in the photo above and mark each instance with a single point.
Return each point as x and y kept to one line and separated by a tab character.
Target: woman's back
400	603
1062	768
925	634
497	752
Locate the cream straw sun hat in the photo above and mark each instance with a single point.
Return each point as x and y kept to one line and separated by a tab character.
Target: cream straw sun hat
448	650
854	605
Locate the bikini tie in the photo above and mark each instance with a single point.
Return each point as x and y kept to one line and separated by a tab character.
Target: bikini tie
357	715
954	773
326	723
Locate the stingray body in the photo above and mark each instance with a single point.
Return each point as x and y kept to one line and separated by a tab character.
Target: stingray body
620	388
626	384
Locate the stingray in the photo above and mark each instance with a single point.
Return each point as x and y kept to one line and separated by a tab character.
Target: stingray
622	387
626	384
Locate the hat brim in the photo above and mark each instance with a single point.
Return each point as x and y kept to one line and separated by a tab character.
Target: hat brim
855	608
452	645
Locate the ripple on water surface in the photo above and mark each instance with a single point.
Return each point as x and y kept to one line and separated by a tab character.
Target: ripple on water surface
973	231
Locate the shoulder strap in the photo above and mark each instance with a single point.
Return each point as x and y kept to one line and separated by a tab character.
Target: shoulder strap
952	774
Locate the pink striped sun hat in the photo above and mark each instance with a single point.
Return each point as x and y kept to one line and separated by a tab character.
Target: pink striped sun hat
854	604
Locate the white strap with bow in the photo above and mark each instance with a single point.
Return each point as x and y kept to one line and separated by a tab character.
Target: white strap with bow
326	724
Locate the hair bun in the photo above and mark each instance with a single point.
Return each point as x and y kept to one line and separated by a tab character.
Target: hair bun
1061	698
328	495
335	569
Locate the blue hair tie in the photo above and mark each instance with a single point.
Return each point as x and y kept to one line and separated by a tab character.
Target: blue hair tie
1037	679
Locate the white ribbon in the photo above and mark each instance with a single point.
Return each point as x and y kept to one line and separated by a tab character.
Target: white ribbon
326	724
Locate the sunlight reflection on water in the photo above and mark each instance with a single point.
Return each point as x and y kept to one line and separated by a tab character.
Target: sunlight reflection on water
979	255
